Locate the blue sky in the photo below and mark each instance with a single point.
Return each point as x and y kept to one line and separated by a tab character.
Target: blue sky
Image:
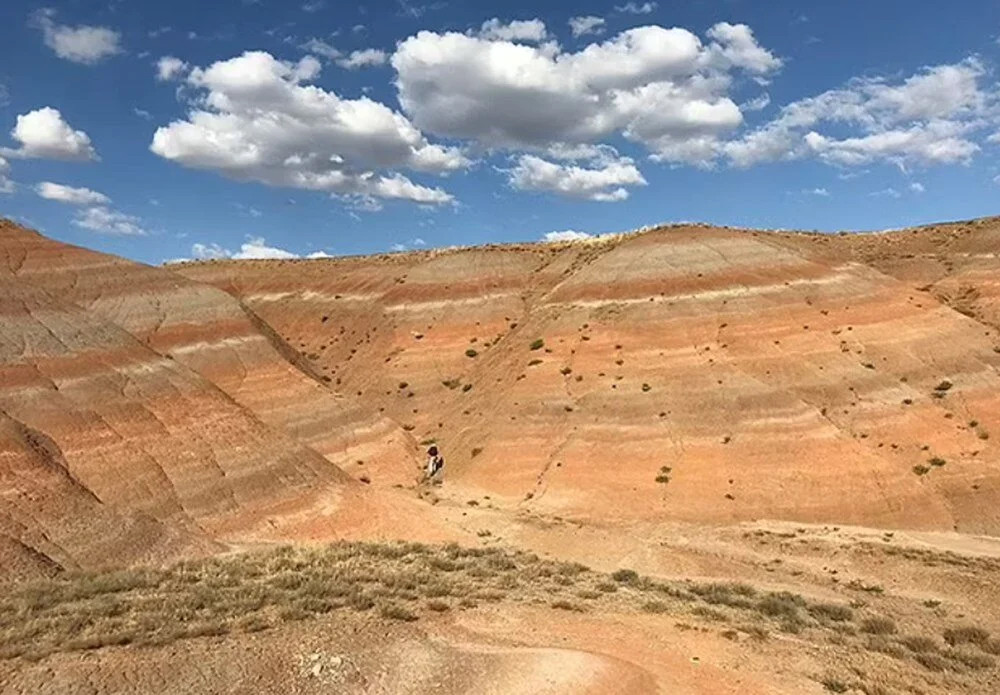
197	129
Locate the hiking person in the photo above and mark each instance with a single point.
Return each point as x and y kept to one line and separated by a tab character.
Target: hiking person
432	456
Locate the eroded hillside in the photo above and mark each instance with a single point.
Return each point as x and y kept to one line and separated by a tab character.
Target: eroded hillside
688	373
143	415
688	460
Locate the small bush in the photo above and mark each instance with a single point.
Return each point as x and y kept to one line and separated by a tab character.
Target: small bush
835	685
781	605
646	387
972	659
476	451
881	643
967	634
831	611
654	607
396	612
878	626
936	461
709	613
625	576
918	643
565	371
537	344
471	353
438	606
932	662
921	469
565	605
943	386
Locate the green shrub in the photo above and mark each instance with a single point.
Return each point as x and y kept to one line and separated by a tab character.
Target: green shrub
537	344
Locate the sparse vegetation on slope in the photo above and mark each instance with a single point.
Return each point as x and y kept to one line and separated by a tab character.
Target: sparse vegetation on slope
256	591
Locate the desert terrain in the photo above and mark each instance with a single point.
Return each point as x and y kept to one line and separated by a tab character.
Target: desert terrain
687	459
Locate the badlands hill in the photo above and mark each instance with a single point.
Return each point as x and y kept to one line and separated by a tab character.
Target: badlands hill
806	415
778	376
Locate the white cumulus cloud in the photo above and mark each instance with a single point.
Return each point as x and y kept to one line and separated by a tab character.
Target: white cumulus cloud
364	58
589	24
255	118
44	134
170	68
82	44
926	118
321	48
107	221
663	88
567	235
519	30
254	248
603	180
70	195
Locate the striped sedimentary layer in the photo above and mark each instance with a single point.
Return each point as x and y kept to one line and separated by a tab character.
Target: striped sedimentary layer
144	415
688	372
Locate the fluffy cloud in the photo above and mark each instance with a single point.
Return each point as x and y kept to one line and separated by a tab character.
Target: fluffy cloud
70	195
107	221
568	235
364	58
917	187
581	26
925	119
254	248
604	180
44	134
735	46
83	44
821	192
170	68
321	48
518	30
659	87
255	118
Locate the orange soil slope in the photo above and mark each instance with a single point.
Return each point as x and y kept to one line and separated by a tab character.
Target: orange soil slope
756	374
143	415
